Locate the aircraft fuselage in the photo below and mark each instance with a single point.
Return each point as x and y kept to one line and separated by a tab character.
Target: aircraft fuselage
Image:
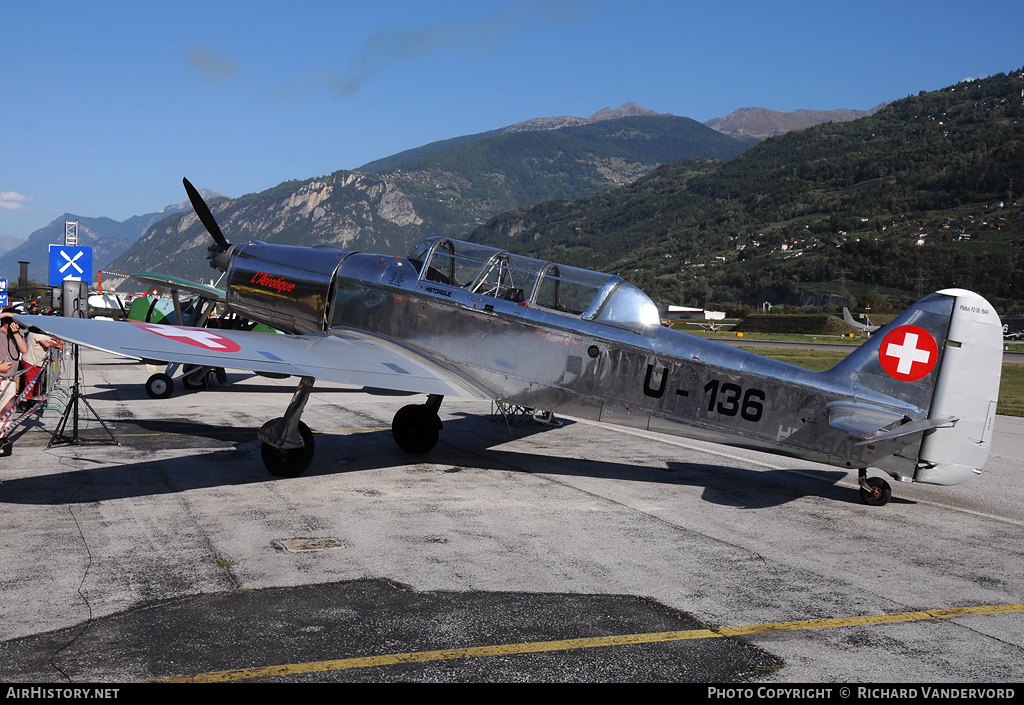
647	377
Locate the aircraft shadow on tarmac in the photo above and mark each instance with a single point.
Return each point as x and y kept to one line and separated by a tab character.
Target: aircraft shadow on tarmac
231	456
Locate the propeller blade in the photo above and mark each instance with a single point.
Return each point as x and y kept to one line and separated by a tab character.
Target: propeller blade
203	211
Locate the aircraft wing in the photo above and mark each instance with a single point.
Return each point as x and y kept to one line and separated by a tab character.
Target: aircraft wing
166	281
354	358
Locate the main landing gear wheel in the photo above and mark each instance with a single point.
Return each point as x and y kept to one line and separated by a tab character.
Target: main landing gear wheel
415	428
290	462
159	386
880	493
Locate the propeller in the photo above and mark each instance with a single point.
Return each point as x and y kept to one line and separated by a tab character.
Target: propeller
218	250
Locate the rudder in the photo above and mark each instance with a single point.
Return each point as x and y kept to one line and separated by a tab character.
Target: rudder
968	389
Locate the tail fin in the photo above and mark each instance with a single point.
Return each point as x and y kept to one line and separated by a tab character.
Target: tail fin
940	360
848	317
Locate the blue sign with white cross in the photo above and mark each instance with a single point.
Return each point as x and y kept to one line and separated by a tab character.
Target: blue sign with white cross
70	263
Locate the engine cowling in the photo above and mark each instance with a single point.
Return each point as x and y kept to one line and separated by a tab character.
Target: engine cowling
286	287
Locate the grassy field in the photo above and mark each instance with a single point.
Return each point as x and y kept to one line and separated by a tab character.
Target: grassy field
1011	391
800	338
1011	385
810	359
788	337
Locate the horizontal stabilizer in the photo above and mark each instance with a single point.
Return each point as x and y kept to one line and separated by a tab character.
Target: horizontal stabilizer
912	427
861	420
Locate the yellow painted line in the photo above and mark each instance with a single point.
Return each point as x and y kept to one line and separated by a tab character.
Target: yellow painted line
571	644
870	619
441	655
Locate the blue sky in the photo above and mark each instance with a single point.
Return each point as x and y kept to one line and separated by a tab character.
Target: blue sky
105	106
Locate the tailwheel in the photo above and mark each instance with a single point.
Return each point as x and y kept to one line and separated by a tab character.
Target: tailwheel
159	386
875	491
415	428
289	462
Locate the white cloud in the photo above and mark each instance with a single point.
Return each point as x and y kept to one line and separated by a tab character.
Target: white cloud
12	201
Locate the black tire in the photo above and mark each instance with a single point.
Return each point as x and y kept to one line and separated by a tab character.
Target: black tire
879	496
222	375
290	462
159	386
415	429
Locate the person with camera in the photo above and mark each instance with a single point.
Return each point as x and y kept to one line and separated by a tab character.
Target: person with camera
10	333
33	361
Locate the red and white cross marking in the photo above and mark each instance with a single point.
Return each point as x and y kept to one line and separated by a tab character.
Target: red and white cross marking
199	337
908	353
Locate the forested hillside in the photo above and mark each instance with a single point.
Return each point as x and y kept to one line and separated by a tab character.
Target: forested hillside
922	195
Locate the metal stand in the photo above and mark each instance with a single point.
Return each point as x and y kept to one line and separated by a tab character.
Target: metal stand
59	437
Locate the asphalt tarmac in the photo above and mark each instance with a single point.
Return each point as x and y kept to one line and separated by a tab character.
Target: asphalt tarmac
580	552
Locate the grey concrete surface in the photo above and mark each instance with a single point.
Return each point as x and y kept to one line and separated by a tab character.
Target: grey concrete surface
183	514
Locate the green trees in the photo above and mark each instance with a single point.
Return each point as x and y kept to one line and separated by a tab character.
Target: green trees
852	196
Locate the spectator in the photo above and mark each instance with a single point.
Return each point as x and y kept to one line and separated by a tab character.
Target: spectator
33	359
10	333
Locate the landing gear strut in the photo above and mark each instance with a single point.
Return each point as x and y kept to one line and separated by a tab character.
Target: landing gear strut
415	427
874	491
288	445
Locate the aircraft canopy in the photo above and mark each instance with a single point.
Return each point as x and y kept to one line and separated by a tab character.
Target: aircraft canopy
557	288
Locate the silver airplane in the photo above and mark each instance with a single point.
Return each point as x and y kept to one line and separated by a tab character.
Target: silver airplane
866	327
462	319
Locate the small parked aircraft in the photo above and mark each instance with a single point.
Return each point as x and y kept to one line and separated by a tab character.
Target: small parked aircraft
160	385
866	327
458	318
708	326
196	312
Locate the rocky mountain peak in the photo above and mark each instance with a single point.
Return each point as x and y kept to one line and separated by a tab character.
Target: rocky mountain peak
556	123
630	109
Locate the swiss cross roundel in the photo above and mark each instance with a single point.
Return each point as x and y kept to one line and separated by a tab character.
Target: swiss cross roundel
908	353
199	337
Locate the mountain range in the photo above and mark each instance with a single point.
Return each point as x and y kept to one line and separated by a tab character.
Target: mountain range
447	188
756	124
109	239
